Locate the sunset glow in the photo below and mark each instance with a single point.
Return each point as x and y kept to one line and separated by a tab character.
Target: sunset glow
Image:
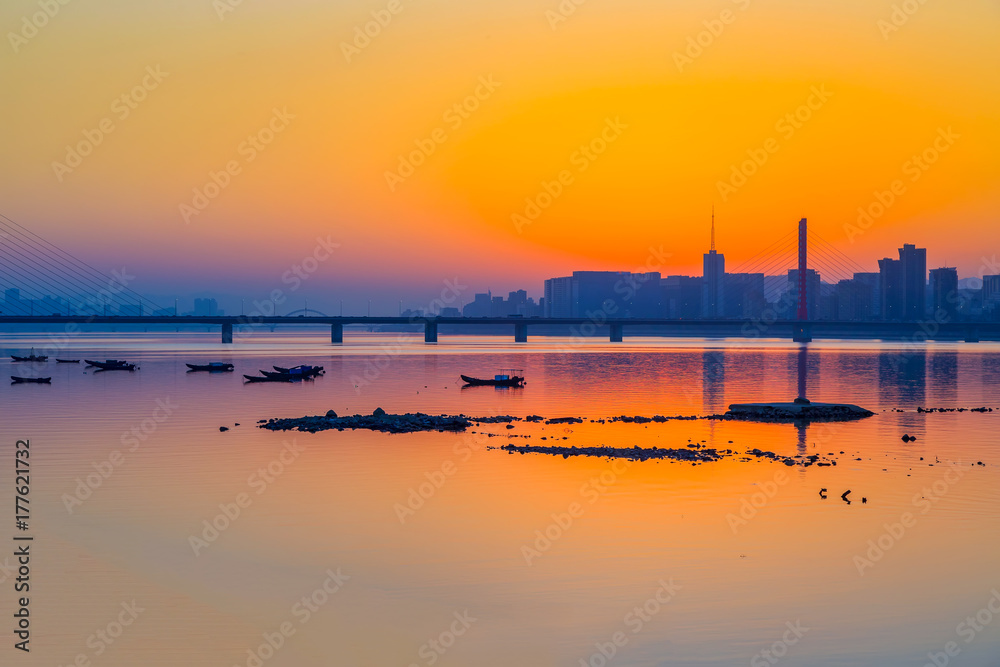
770	110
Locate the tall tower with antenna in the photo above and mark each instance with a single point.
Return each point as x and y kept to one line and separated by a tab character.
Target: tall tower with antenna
713	280
712	250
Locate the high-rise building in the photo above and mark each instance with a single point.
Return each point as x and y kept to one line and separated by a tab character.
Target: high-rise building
744	295
559	297
914	267
206	308
991	296
944	292
854	300
604	295
480	306
871	282
13	304
891	288
681	297
904	284
713	300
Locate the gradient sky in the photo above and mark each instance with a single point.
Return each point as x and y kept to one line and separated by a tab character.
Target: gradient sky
324	174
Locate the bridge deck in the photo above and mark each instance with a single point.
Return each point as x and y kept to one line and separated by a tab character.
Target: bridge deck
586	327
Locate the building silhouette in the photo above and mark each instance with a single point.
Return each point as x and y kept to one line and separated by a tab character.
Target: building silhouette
604	295
904	284
991	297
713	304
744	295
559	297
681	297
206	308
944	292
914	266
891	288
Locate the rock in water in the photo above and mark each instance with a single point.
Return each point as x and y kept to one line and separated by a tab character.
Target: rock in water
223	428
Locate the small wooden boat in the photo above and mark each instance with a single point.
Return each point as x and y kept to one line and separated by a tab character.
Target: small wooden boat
284	376
505	378
212	367
31	357
303	369
264	378
20	380
67	361
111	365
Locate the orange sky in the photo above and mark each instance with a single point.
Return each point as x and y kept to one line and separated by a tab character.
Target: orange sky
681	126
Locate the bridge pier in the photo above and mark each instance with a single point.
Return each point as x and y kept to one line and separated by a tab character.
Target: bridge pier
336	333
227	333
972	335
520	333
430	332
802	333
616	333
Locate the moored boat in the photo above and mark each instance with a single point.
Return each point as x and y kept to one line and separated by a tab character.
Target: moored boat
265	378
505	378
212	367
30	357
67	361
111	365
302	369
20	380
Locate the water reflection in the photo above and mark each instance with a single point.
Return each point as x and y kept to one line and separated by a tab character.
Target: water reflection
903	375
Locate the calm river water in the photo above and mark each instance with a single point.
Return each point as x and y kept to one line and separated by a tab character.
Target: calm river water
369	549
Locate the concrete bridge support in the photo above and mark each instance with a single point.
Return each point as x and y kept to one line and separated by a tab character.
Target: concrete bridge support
520	333
430	332
616	333
336	333
227	333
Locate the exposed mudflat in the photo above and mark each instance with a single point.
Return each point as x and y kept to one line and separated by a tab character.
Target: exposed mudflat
693	453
